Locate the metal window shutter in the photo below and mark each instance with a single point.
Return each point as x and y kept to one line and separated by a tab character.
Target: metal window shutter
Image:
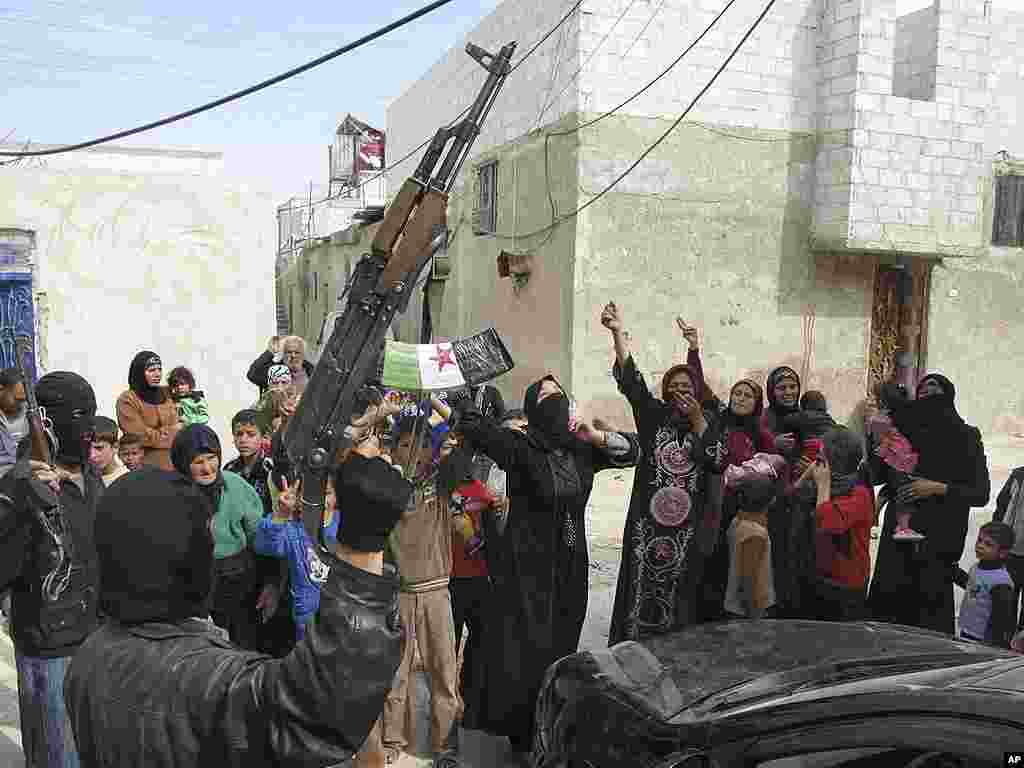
1008	220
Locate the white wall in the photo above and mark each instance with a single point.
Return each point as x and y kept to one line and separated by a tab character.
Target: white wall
1005	129
916	54
769	84
147	250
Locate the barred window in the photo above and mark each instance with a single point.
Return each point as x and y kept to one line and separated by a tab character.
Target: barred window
1008	212
487	222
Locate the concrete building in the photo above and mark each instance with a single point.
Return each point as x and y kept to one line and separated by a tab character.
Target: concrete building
828	204
108	251
355	182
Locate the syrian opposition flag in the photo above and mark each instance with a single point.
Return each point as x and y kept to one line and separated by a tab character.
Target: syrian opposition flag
448	365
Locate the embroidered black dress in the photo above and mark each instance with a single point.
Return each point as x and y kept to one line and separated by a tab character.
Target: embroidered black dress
662	554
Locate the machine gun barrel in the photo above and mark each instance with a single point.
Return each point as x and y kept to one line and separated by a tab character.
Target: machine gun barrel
405	241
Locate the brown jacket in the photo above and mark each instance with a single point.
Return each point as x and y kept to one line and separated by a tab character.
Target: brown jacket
157	424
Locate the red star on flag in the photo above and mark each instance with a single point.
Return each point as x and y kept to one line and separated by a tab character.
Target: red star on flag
443	358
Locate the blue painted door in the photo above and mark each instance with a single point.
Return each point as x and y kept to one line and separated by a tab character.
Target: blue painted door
17	315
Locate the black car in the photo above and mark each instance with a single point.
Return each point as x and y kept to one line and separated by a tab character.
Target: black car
783	694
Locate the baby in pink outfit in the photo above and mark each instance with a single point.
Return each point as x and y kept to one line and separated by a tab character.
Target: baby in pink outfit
766	465
896	453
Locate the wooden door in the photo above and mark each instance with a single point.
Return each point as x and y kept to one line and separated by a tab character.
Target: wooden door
899	324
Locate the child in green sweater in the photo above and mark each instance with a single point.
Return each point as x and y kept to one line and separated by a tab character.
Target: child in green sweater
190	401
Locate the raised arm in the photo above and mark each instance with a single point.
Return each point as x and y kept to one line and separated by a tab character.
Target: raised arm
611	449
506	447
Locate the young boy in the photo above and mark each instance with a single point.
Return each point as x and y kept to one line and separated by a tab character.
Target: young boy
987	610
283	535
191	402
1010	510
750	593
131	451
421	546
103	452
251	462
277	635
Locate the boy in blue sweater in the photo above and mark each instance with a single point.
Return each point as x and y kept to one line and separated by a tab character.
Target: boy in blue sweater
987	612
284	536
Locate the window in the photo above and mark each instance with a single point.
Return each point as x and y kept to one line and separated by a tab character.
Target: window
487	205
1008	211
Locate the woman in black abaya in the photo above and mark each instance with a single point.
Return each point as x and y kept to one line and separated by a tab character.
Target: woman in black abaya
539	566
913	583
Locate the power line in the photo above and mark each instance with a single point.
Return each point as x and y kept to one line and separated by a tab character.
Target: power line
547	137
675	124
658	77
565	17
593	53
244	92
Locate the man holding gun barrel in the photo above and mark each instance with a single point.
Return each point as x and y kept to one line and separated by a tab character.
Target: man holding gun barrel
48	558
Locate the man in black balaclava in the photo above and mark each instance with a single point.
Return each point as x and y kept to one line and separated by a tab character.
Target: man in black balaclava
48	558
159	684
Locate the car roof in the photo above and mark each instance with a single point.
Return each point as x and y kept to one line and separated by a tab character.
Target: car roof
706	659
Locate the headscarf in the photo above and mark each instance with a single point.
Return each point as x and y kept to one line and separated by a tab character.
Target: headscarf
548	418
695	379
137	378
749	424
192	441
69	405
156	566
936	430
844	453
742	431
777	411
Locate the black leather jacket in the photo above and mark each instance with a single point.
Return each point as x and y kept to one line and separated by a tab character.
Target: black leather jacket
42	627
181	695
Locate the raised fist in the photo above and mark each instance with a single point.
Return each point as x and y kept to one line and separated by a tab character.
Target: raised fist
611	318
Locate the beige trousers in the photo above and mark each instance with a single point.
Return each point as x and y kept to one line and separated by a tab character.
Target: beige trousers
430	630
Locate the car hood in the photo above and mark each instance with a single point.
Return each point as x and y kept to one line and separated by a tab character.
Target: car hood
711	658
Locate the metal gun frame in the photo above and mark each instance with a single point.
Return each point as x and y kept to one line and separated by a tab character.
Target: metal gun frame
381	288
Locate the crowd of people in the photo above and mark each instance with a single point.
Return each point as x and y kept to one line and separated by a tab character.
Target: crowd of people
154	582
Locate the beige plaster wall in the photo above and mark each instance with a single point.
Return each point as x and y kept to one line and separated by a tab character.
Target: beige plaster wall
535	321
147	251
713	226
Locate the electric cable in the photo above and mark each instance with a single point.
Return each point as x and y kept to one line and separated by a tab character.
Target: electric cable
390	167
547	137
675	124
658	77
238	94
593	53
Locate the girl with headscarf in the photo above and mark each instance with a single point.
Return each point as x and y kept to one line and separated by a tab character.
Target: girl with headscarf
674	507
783	389
147	409
540	565
237	607
913	582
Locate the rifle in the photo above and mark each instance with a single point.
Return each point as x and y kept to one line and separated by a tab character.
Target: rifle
381	287
40	442
42	502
